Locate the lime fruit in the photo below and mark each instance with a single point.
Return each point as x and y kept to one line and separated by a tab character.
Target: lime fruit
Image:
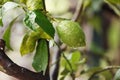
71	33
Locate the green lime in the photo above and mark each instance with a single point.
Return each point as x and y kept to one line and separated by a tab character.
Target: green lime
71	33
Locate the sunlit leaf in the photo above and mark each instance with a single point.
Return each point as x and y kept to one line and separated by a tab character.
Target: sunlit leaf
86	3
40	61
28	43
7	34
34	4
29	21
42	20
62	78
7	6
76	56
23	49
73	58
42	25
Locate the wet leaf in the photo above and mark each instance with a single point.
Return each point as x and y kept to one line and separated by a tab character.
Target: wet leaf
41	25
40	60
1	23
43	22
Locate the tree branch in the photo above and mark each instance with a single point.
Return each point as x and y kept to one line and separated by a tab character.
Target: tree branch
14	70
78	11
105	69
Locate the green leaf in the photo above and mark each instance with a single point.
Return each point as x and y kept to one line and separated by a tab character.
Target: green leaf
42	20
63	77
23	48
113	34
117	75
114	5
40	61
28	43
42	23
7	34
1	23
76	56
34	4
74	60
29	20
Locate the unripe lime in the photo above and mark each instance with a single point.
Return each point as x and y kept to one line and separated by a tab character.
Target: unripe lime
71	33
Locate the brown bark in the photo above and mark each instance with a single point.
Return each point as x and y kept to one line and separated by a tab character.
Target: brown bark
15	70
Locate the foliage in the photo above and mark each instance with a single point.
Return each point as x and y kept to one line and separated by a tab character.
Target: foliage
41	56
41	27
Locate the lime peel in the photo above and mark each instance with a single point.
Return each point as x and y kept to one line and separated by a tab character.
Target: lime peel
71	33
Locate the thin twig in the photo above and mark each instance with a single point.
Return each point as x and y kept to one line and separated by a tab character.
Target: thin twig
105	69
57	65
72	73
44	6
68	62
78	11
58	56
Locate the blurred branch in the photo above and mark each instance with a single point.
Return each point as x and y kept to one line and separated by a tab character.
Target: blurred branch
78	11
105	69
58	56
76	16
